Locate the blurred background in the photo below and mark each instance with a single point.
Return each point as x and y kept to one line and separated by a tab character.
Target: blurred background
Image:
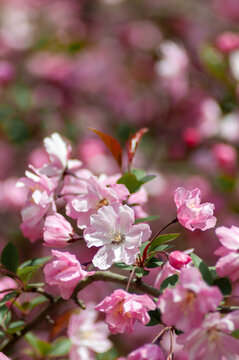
119	65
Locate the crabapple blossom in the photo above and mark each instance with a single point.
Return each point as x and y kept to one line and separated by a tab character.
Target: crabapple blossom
228	264
177	261
65	272
190	213
122	309
212	340
87	336
112	229
39	203
146	352
3	357
185	305
57	231
97	196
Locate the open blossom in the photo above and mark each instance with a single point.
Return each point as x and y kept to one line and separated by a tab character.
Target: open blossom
87	336
122	309
185	305
57	231
228	264
177	261
39	203
59	153
65	272
212	339
146	352
190	213
97	196
112	229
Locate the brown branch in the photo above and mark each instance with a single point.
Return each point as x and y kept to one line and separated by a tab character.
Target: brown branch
106	276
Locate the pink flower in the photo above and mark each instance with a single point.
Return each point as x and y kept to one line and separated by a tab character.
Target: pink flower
65	272
228	264
3	357
39	203
185	305
59	153
122	309
6	283
227	42
212	339
98	195
87	335
146	352
57	231
112	228
190	213
178	259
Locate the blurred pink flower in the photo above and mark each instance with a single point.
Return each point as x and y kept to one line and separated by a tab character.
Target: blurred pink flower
113	228
225	156
3	357
185	305
39	203
228	264
122	309
57	231
6	283
228	41
65	272
146	352
190	213
98	195
7	72
212	339
87	335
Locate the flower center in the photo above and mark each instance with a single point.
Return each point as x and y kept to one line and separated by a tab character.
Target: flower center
101	203
116	237
189	301
213	335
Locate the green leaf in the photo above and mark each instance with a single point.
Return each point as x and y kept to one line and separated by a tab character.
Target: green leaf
15	326
36	261
36	301
41	347
123	266
224	285
131	182
8	297
139	272
5	315
154	262
143	246
60	347
161	239
9	257
139	173
147	178
203	268
27	272
169	282
155	317
235	334
147	219
111	354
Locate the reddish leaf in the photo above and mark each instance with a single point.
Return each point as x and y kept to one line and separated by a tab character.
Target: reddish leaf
61	324
112	144
133	143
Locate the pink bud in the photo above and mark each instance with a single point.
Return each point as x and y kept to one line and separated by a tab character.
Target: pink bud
227	42
178	259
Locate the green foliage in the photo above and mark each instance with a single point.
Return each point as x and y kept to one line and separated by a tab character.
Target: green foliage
123	266
170	282
15	327
154	262
9	257
135	179
5	315
27	270
147	219
8	297
224	285
203	268
161	239
58	348
139	272
155	317
111	354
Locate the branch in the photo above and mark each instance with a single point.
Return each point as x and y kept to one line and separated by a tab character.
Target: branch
106	276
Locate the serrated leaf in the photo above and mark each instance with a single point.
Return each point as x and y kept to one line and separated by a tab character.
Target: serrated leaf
8	297
161	239
133	143
147	219
224	285
155	317
9	257
203	268
60	347
139	272
112	144
169	282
